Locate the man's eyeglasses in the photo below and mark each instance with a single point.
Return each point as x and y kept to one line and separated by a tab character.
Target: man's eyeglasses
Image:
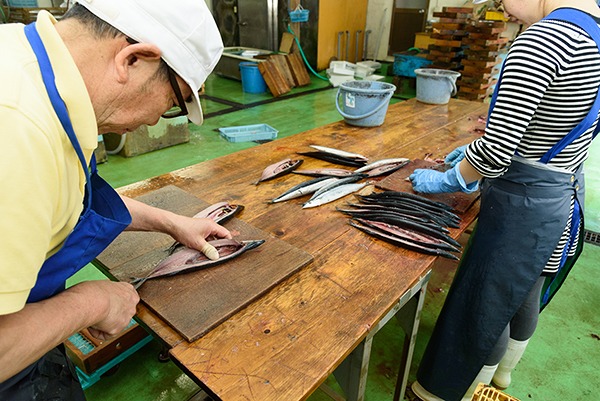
179	109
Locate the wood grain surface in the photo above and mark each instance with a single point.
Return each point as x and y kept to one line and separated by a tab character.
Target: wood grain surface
283	345
194	302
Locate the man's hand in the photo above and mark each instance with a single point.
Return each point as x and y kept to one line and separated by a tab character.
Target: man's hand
193	233
117	302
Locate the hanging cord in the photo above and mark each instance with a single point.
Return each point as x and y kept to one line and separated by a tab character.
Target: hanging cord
304	57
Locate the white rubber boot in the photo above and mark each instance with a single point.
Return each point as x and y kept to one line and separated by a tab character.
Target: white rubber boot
422	393
484	376
513	355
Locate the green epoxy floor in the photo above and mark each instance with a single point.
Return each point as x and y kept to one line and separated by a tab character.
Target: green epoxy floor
561	363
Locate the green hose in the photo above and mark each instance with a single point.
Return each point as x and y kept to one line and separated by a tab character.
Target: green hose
4	19
304	57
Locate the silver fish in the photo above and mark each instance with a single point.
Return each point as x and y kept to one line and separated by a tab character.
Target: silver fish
331	172
380	163
305	188
339	152
188	259
334	194
278	169
337	182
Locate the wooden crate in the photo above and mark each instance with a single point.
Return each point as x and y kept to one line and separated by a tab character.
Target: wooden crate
103	351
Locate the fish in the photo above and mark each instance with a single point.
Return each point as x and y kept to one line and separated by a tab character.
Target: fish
400	194
305	188
335	193
188	259
331	172
337	182
278	169
331	158
408	244
220	213
340	153
385	169
414	236
383	162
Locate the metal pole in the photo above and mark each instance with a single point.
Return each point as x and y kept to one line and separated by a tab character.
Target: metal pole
357	36
366	44
339	45
347	45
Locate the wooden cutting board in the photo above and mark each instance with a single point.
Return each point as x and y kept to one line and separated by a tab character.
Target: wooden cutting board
397	181
195	302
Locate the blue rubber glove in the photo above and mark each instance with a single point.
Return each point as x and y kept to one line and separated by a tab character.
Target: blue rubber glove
433	182
456	155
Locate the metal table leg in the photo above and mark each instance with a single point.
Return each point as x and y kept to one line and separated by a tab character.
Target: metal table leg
352	372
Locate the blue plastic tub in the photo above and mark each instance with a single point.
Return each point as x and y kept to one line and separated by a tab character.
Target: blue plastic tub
248	133
252	79
405	65
364	103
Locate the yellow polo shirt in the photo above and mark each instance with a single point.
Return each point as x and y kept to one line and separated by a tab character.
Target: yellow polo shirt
41	179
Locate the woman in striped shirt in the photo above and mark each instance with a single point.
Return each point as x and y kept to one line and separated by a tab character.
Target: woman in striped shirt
542	119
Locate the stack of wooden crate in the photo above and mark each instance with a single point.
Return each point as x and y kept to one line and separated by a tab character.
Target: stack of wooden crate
480	65
448	34
284	72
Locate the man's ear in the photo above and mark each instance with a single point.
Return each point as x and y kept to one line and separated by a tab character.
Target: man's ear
131	56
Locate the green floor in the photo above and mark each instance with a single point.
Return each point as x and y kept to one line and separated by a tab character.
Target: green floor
564	355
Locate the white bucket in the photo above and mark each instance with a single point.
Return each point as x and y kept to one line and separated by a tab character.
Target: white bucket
435	86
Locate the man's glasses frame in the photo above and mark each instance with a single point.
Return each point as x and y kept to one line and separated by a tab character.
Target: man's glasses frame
179	109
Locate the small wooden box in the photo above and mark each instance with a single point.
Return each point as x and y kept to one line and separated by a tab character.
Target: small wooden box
103	352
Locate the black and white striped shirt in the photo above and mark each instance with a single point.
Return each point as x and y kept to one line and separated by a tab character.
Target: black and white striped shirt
550	80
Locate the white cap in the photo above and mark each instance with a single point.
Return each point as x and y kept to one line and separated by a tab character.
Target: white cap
480	1
184	31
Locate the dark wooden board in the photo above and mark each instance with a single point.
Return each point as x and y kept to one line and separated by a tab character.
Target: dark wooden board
397	181
275	80
193	303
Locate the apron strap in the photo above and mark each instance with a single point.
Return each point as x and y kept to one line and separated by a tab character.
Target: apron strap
57	102
588	24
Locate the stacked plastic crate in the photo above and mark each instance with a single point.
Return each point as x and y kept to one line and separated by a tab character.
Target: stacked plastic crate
480	65
449	32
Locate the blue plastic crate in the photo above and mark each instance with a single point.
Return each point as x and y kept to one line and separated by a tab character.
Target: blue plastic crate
23	3
405	65
247	133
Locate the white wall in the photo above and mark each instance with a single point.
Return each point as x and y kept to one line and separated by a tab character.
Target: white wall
379	18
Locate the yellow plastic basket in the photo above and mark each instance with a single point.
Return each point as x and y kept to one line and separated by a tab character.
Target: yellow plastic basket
484	392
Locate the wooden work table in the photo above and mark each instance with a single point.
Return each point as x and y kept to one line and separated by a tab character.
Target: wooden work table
321	319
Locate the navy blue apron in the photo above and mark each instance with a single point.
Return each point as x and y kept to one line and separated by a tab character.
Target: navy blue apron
506	254
104	217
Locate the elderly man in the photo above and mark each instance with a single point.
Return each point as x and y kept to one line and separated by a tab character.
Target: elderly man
107	66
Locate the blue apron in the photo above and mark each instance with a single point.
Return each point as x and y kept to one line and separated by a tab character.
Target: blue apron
104	217
506	254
